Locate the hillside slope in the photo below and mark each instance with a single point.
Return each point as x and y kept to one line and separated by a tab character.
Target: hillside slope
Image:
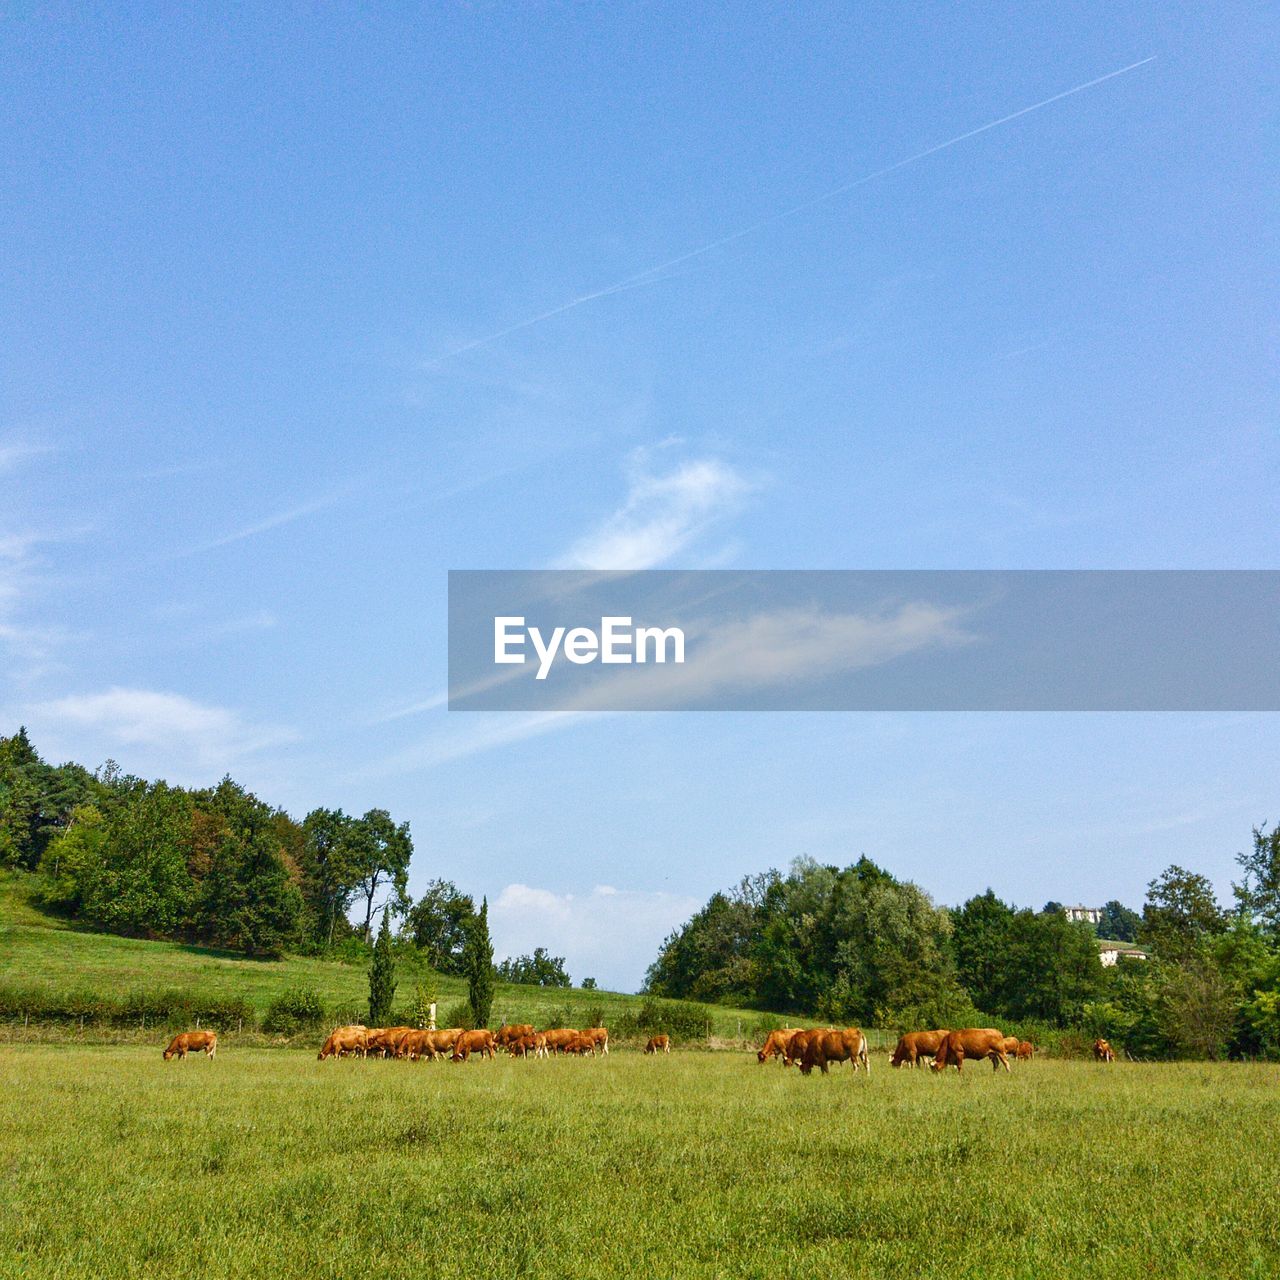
43	953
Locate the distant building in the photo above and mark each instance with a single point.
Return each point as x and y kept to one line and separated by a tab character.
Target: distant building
1091	915
1111	954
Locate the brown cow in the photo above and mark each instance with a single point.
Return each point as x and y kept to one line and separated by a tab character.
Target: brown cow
345	1040
915	1045
823	1047
511	1031
192	1041
528	1046
381	1042
1011	1045
470	1042
583	1043
1025	1050
1102	1051
777	1044
419	1044
558	1037
658	1044
599	1037
974	1042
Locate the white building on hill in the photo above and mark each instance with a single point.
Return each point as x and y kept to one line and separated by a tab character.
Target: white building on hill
1093	915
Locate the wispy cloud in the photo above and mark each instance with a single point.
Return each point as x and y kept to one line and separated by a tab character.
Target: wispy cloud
663	514
27	645
609	934
781	648
15	451
276	520
658	272
189	734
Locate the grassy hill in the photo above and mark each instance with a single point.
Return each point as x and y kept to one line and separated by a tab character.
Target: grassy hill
42	953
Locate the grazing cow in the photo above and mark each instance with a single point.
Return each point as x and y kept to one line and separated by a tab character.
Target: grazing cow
192	1041
415	1045
345	1040
823	1047
524	1046
658	1044
973	1042
1102	1051
470	1042
583	1043
1025	1050
599	1037
381	1042
777	1044
916	1045
558	1037
512	1031
1011	1045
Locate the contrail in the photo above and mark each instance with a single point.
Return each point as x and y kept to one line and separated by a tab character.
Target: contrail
645	277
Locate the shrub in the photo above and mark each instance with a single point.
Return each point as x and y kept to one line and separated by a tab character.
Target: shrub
594	1016
424	996
676	1018
460	1015
293	1011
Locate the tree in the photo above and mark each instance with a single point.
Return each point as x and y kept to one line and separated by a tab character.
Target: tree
248	901
1259	892
1181	911
1049	970
330	864
437	923
1119	923
381	854
73	860
1197	1008
1052	908
382	977
537	970
588	984
478	965
141	885
980	935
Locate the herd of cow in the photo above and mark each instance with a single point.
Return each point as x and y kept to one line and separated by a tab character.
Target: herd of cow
947	1048
807	1048
457	1044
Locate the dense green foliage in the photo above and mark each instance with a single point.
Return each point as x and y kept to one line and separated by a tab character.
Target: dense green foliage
702	1166
537	970
849	944
477	957
857	945
437	924
212	865
382	977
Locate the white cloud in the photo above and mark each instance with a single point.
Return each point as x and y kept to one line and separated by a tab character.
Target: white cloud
187	737
609	934
774	650
663	515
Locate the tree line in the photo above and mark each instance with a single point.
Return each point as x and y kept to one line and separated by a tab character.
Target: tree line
218	866
855	944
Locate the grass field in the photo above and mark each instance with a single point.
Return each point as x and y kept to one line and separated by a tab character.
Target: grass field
43	952
267	1163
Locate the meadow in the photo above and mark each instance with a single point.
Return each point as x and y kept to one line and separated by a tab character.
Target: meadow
267	1163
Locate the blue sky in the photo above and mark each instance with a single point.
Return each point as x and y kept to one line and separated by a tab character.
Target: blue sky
272	365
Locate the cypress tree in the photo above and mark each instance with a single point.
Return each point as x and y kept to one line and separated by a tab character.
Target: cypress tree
478	965
382	977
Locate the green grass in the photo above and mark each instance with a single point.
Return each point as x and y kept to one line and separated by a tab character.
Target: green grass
43	952
265	1163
